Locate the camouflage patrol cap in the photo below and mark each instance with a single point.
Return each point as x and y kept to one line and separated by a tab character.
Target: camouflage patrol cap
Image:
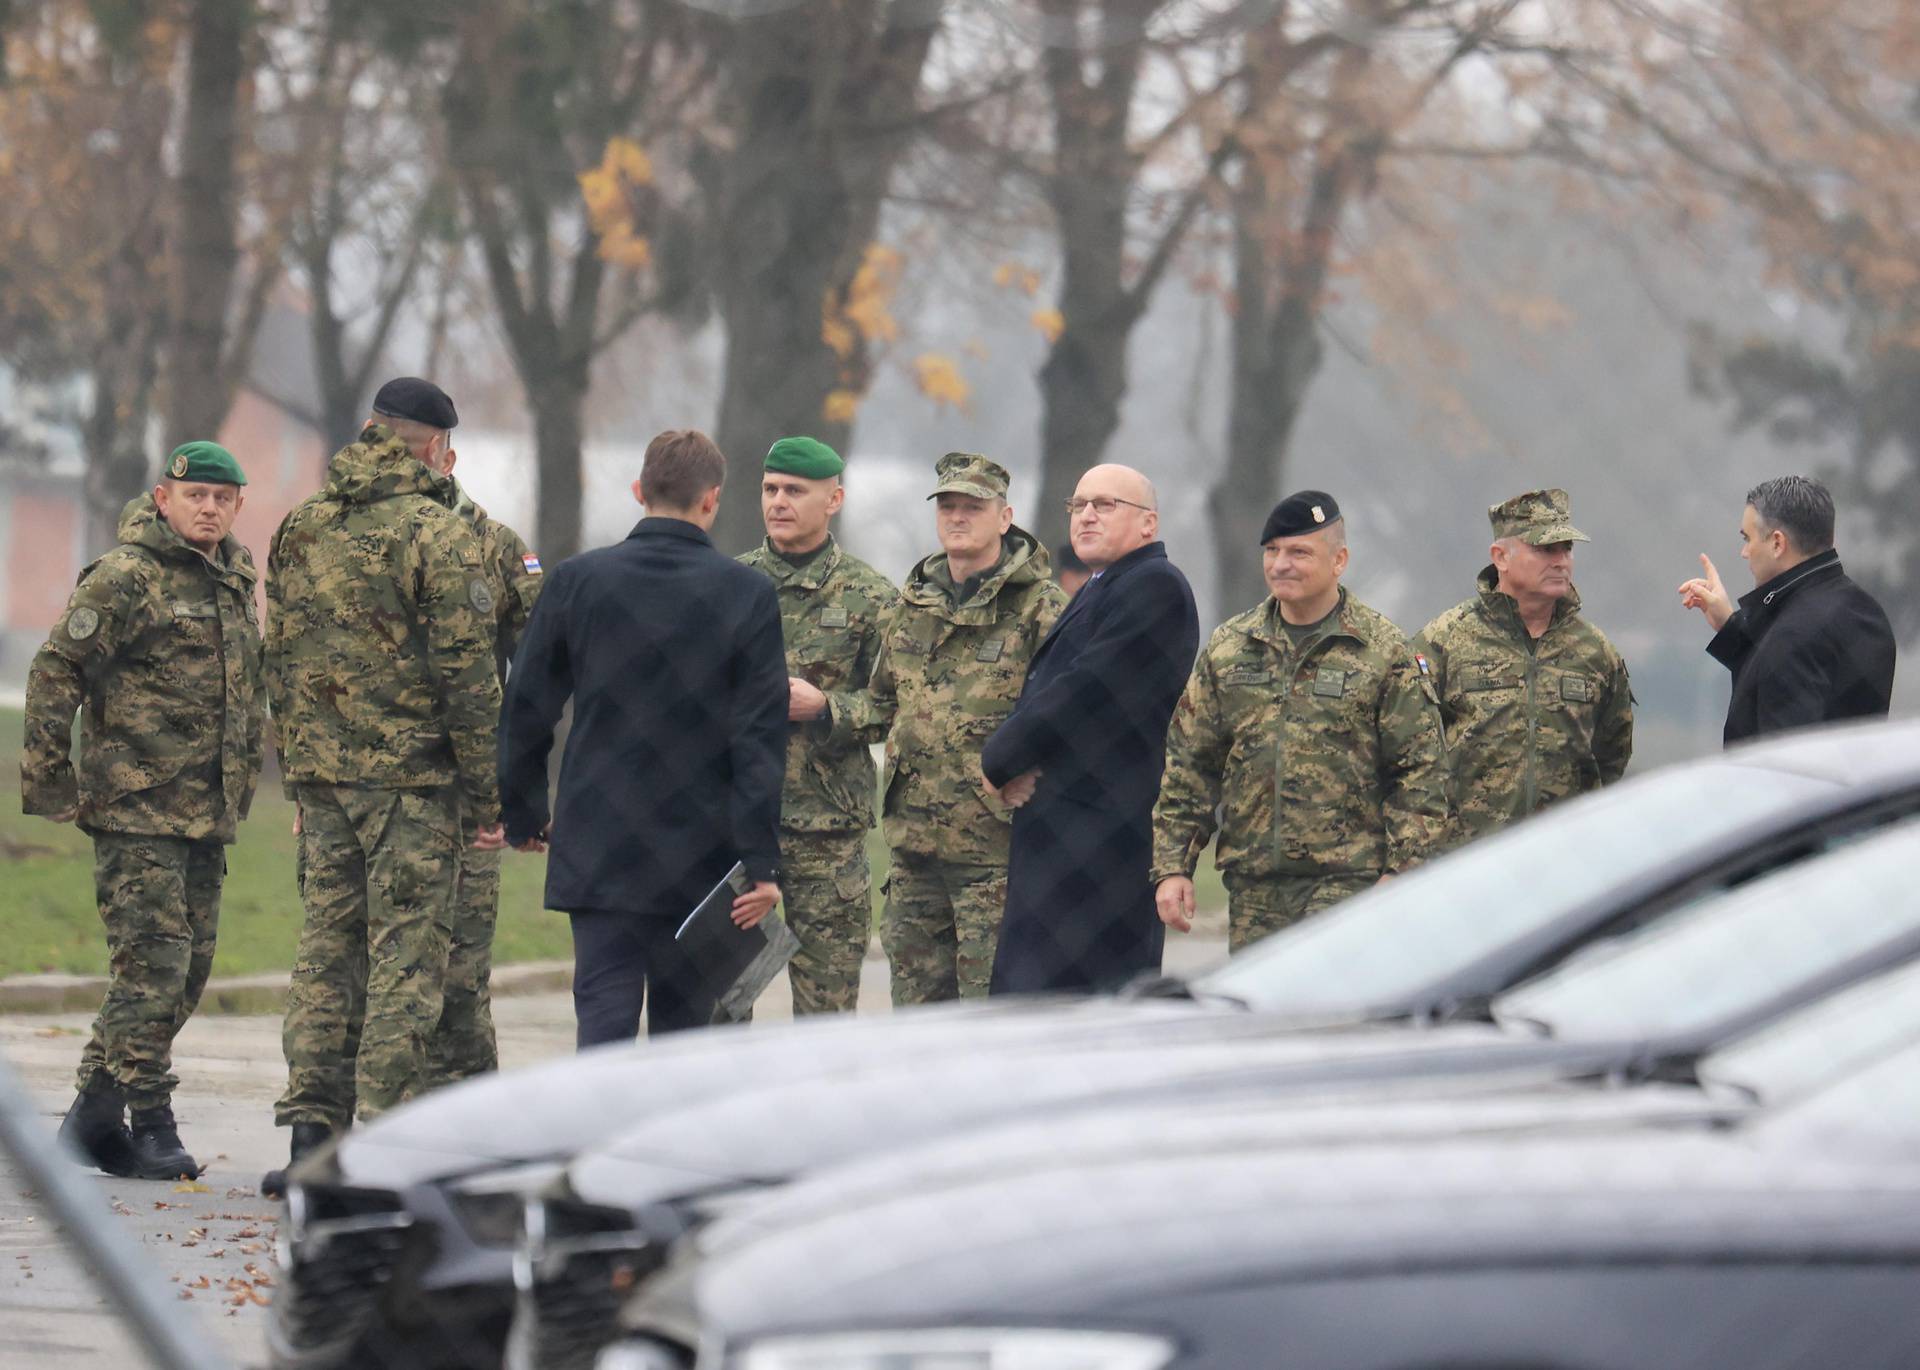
969	473
1539	517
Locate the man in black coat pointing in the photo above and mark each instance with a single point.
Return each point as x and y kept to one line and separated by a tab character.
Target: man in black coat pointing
672	655
1081	755
1807	645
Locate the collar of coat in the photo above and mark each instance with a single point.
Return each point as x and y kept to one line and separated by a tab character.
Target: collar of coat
1025	563
660	526
1271	629
809	577
1763	601
1503	610
141	526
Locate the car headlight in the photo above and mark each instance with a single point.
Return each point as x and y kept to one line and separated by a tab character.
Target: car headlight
958	1348
491	1203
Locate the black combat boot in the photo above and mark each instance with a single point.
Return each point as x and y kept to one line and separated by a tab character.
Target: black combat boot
156	1146
96	1127
306	1137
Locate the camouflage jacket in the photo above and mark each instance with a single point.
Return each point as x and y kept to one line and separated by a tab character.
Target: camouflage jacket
159	650
831	613
380	633
514	573
1527	722
1325	761
949	674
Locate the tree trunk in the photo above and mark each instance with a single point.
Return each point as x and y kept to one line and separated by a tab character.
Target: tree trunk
559	403
823	106
200	388
778	375
1082	385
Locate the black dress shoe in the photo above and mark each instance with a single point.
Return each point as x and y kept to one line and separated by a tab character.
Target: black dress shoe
306	1137
156	1147
96	1128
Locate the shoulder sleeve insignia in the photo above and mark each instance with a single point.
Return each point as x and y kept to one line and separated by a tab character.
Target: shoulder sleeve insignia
532	563
1420	660
81	624
480	596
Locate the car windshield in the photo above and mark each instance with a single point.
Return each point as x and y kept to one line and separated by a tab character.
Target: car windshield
1378	952
1733	951
1809	1049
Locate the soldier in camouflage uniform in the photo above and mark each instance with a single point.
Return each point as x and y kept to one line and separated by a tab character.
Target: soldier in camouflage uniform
831	609
159	650
465	1045
1535	699
1308	726
952	660
386	696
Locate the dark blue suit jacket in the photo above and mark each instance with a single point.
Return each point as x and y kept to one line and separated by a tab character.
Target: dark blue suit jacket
673	657
1093	718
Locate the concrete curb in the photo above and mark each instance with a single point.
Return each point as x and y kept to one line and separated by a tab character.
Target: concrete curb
241	994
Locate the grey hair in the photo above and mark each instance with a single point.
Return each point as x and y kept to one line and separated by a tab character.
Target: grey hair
1798	506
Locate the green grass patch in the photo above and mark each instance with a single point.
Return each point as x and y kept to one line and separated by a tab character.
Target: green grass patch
52	924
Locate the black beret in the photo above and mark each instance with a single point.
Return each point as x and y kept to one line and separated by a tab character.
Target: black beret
1303	512
409	397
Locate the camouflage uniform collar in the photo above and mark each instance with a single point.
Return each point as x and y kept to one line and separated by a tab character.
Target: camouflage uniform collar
1503	610
812	576
456	498
141	526
379	466
1271	629
1022	561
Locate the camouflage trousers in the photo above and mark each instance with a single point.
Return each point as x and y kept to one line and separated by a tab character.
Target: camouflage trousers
942	921
379	870
159	899
1260	908
464	1043
826	889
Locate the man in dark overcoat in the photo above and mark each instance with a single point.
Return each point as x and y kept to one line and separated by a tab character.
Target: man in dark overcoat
1806	645
671	652
1081	755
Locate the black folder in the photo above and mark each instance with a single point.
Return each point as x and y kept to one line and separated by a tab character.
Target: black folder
735	963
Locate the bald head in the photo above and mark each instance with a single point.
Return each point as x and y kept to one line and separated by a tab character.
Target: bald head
1114	512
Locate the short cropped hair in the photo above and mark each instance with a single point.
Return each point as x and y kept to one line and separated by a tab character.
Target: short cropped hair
681	465
1798	506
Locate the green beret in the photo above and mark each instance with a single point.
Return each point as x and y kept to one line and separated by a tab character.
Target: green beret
969	473
1539	517
206	463
808	458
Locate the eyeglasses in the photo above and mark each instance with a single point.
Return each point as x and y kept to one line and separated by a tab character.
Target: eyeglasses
1103	505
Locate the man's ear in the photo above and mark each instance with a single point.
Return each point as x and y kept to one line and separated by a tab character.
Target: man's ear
710	502
639	498
836	500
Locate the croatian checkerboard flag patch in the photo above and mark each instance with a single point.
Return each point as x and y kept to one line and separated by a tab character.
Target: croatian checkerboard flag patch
532	563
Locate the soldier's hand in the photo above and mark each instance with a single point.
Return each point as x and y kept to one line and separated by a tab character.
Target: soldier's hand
533	846
64	816
296	820
755	904
1174	899
804	700
1705	593
492	838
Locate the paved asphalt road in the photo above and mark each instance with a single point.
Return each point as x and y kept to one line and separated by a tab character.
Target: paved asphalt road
214	1242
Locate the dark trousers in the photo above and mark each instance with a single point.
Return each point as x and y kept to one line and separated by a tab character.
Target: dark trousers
622	961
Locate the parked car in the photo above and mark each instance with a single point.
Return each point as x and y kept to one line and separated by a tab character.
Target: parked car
1648	1005
404	1230
1784	1239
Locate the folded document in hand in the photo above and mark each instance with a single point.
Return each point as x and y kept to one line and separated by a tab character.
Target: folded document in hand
736	963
